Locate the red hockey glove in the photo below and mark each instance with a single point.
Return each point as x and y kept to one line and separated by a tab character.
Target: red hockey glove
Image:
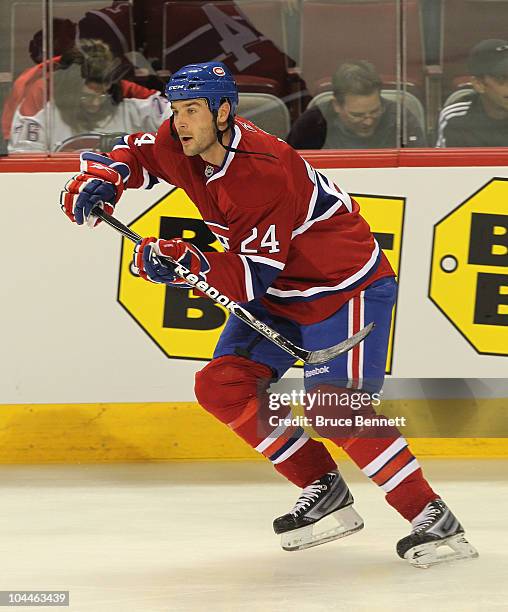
150	267
100	183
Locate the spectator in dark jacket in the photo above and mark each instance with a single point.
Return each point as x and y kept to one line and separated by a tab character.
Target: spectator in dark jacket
357	116
480	119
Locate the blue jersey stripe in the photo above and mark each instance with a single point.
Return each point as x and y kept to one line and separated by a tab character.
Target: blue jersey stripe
325	200
261	276
296	436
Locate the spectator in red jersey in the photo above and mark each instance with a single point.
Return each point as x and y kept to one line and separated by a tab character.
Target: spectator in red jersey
90	100
64	34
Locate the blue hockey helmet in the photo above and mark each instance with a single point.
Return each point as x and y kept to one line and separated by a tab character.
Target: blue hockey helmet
210	80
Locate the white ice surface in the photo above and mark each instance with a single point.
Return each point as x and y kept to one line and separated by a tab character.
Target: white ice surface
196	537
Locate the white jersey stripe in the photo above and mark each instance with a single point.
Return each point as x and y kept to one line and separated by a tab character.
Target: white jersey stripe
355	356
310	171
266	260
323	182
361	305
249	288
223	227
411	467
326	215
292	449
330	188
350	320
382	459
276	433
122	146
230	156
146	178
284	293
310	210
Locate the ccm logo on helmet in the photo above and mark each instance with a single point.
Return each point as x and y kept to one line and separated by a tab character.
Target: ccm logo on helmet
218	71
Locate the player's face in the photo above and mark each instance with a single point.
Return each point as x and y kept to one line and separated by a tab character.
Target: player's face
494	91
360	114
194	125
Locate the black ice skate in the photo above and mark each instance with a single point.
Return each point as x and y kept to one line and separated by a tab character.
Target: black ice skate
433	528
326	497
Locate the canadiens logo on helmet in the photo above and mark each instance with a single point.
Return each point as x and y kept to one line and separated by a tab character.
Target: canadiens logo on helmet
219	71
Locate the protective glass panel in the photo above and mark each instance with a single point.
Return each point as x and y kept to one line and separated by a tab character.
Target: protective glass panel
417	33
470	91
284	54
16	30
350	62
99	87
249	36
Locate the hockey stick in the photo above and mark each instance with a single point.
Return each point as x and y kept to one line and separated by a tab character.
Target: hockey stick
313	357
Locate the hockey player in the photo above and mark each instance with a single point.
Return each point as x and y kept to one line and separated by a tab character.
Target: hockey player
298	252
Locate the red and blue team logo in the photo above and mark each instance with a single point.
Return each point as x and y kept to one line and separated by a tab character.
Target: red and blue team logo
218	71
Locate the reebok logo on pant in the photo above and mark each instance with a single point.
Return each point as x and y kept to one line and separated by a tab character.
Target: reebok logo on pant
313	372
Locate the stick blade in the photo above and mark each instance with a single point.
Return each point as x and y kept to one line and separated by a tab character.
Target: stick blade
324	355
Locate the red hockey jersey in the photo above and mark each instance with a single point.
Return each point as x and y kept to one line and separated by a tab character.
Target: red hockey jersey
291	237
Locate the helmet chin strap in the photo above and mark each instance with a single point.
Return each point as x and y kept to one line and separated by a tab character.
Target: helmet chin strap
230	125
220	135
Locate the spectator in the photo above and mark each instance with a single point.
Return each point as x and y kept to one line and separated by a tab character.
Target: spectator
89	100
480	119
64	34
21	87
357	117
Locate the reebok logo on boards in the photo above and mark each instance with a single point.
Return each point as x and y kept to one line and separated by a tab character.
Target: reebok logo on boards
313	372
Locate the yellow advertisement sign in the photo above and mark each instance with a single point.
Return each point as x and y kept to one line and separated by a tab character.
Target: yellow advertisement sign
385	216
469	277
183	325
186	326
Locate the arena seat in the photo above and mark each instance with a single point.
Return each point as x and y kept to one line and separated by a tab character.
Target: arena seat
338	30
266	111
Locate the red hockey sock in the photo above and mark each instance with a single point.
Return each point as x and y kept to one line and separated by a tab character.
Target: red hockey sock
390	464
381	453
232	388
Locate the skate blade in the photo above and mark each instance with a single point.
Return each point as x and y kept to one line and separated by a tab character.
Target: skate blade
455	547
339	524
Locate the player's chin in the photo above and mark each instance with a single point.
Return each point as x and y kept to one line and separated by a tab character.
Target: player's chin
189	148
